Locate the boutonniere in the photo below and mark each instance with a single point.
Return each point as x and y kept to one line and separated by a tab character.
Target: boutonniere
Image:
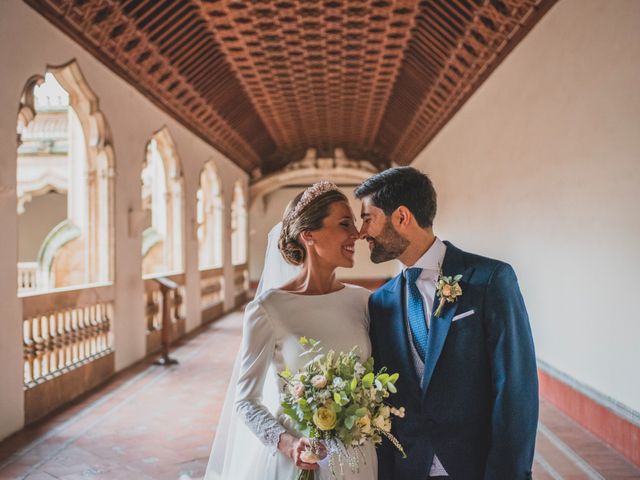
448	290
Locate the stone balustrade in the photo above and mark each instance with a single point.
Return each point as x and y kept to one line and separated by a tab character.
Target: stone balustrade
67	344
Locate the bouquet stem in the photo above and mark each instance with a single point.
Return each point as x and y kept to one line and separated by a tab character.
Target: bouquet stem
307	475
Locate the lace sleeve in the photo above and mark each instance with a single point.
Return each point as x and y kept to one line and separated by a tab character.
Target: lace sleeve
258	345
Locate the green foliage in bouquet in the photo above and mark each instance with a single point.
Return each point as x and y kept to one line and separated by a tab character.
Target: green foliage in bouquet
340	400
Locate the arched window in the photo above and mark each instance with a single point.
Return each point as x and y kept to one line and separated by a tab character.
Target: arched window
64	183
210	218
238	226
162	198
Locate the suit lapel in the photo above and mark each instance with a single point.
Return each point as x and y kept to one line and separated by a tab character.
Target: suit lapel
452	265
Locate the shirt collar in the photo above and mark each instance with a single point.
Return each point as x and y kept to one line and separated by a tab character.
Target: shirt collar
432	258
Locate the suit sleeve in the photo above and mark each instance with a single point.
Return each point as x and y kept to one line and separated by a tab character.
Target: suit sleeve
514	379
385	451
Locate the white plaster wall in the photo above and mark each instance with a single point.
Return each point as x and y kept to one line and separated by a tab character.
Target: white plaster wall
264	214
28	43
541	168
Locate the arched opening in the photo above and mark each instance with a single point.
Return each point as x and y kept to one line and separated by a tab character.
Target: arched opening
210	215
162	199
238	226
239	246
64	184
210	233
65	170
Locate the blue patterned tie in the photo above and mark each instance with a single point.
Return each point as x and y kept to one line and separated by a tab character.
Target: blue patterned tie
415	312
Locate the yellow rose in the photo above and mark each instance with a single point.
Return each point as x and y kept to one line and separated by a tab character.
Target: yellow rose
325	419
446	290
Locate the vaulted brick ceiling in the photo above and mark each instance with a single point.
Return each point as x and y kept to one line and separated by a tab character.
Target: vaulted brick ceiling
264	80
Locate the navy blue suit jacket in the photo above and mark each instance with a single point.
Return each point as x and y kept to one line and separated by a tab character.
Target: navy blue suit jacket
476	406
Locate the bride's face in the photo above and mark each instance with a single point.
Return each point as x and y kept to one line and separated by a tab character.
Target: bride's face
334	243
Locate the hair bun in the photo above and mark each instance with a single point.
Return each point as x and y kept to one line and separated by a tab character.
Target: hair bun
291	250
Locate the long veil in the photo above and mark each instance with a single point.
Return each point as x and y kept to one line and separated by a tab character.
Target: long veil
234	444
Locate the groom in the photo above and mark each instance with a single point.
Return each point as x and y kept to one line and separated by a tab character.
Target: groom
462	346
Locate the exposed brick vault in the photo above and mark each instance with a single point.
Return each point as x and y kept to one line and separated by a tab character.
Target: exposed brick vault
264	80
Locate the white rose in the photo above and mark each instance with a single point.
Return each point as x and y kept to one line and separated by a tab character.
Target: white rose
319	381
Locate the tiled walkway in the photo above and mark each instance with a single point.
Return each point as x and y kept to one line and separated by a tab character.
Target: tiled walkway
158	423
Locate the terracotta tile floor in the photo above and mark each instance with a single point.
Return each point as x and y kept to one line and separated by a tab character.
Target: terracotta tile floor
158	423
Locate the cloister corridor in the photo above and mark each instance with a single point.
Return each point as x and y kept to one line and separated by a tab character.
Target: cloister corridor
158	423
149	147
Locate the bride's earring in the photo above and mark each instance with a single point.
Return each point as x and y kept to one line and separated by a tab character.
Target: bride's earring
306	238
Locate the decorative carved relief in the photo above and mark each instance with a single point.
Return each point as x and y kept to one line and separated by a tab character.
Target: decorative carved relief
311	168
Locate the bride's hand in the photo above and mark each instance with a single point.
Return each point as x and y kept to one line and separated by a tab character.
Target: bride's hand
293	448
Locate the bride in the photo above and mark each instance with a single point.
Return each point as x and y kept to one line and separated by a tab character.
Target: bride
300	298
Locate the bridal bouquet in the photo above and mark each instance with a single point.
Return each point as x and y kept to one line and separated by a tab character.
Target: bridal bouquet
339	400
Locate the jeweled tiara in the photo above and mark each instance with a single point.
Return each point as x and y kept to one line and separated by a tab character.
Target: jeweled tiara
311	194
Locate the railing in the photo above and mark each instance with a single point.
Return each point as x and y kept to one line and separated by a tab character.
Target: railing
27	276
153	309
211	294
65	332
240	284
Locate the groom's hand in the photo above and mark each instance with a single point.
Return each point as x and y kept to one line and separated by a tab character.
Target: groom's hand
294	447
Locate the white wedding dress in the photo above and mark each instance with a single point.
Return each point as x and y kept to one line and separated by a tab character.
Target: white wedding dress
273	324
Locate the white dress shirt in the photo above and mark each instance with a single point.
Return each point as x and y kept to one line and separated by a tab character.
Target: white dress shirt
430	263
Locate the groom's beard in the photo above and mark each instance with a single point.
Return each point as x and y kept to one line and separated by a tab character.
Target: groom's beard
389	245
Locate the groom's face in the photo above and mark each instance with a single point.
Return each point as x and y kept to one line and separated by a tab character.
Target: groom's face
385	243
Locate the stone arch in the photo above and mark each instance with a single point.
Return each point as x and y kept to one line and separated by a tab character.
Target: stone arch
338	169
210	217
27	109
91	157
166	213
239	225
